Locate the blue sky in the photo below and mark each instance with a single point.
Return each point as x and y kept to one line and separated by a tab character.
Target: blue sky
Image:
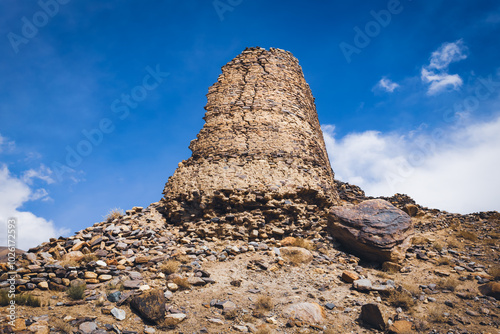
407	93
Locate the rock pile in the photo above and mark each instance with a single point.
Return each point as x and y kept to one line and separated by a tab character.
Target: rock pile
260	158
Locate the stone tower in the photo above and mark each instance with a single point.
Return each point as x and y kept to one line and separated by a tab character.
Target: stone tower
259	164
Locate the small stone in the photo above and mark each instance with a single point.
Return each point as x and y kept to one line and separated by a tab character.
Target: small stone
104	278
90	275
349	277
168	294
239	328
400	327
172	287
310	313
330	306
87	327
175	318
101	263
132	284
149	330
43	285
118	314
362	284
216	321
114	296
472	313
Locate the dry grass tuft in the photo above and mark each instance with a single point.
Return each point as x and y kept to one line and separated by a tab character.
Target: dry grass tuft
87	258
76	292
443	261
182	283
61	326
467	235
454	243
435	315
184	259
264	303
419	240
114	214
449	283
170	267
401	299
20	299
437	246
495	272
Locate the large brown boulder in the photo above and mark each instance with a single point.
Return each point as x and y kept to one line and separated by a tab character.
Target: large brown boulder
374	229
150	305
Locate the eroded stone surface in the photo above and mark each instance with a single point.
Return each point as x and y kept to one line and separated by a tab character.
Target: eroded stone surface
374	229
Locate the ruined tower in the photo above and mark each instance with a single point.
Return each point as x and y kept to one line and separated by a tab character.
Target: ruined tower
259	164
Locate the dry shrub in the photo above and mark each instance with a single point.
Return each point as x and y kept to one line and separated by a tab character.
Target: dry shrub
467	235
495	272
401	299
87	258
231	314
76	292
454	243
183	258
449	283
182	283
303	243
61	326
437	246
435	314
443	261
20	299
113	214
264	303
69	263
169	267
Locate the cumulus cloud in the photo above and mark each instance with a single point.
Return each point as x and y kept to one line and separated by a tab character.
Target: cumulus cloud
32	230
454	172
439	82
14	193
386	85
436	72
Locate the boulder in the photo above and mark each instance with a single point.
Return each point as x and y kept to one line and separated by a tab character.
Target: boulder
491	289
296	254
150	305
310	313
374	229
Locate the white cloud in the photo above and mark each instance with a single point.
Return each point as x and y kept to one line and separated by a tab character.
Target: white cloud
43	173
457	174
387	85
440	82
448	53
6	145
436	73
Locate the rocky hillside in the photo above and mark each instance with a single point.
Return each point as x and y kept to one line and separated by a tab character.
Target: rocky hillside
253	234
